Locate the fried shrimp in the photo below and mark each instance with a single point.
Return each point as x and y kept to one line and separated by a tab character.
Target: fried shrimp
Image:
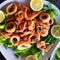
19	16
44	32
5	34
10	7
21	27
31	25
11	18
37	35
15	39
10	27
41	45
46	26
24	7
31	16
44	17
27	33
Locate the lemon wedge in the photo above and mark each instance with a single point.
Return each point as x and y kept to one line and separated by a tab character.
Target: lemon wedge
55	31
31	57
2	16
36	5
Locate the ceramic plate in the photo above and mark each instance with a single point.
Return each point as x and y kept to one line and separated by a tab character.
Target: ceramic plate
8	54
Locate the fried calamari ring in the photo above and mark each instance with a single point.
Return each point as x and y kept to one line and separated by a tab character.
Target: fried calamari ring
10	27
15	40
44	17
32	39
23	45
10	7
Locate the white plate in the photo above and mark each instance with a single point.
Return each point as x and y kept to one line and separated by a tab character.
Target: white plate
8	54
54	52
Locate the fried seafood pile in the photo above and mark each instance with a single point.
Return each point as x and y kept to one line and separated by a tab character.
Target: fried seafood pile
25	27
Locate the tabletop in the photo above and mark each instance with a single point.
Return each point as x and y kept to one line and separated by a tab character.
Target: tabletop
56	2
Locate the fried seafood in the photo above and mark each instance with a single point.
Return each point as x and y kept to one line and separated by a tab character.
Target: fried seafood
5	34
41	45
31	39
25	27
21	27
37	35
44	17
31	16
51	21
23	45
19	19
15	39
46	25
19	16
27	33
10	27
31	25
22	7
11	8
11	18
44	32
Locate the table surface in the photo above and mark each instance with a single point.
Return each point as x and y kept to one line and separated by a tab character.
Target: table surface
56	2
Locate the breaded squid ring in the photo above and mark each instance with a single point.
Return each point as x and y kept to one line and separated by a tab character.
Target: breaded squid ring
10	27
44	17
23	45
32	39
15	40
9	8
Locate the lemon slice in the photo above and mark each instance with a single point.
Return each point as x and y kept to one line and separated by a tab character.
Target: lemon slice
31	57
36	5
55	31
2	16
